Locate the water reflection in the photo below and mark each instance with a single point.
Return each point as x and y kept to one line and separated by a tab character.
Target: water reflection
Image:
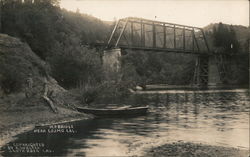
212	118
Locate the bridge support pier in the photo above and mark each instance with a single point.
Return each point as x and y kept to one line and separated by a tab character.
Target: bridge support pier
111	63
214	74
201	71
207	72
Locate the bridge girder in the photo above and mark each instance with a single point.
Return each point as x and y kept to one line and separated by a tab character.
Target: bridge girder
143	34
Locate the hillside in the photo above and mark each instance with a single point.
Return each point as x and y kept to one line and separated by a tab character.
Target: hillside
59	37
22	106
62	40
242	34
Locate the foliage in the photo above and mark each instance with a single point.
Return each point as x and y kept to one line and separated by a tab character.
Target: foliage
225	39
17	61
58	37
105	92
42	25
74	66
89	91
159	68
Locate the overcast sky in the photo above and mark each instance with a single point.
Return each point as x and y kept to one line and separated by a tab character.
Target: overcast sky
189	12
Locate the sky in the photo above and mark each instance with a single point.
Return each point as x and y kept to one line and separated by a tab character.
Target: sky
197	13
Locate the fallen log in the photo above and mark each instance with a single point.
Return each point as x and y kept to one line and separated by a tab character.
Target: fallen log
47	99
51	104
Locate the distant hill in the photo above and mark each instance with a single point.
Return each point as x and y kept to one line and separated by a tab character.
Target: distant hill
109	23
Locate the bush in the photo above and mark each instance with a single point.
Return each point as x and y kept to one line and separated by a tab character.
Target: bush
89	92
75	66
159	68
106	92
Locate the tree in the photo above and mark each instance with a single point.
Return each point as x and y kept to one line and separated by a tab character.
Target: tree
1	4
234	43
52	2
225	39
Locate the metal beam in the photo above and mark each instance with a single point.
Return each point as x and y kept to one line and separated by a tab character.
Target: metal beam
196	41
160	22
192	39
166	25
132	33
154	36
164	37
164	50
118	40
184	44
142	34
113	32
205	39
174	37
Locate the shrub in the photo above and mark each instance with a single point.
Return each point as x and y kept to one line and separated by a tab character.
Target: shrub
74	66
89	92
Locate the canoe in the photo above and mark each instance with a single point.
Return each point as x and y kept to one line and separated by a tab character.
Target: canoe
118	112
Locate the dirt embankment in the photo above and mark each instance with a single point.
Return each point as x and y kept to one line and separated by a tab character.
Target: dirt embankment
24	81
181	149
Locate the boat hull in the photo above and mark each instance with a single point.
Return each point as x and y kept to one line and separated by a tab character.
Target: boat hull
114	112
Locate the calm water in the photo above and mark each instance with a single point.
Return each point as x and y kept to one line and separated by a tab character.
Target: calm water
210	118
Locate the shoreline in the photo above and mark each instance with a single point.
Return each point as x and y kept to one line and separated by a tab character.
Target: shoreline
14	128
192	92
183	148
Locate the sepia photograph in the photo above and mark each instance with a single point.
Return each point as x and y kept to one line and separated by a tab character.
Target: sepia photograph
125	78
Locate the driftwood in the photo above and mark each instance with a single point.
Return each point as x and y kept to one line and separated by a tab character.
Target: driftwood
47	99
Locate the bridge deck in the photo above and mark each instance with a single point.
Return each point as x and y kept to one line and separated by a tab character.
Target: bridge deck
164	50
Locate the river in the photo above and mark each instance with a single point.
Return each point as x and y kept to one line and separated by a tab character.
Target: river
217	118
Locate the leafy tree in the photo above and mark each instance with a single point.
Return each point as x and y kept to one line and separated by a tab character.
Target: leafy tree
159	68
225	39
57	36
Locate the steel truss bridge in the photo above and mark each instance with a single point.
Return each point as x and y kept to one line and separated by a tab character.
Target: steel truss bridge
149	35
143	34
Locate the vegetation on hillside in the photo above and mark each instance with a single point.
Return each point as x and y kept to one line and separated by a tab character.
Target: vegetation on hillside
159	67
221	36
62	40
57	36
231	40
225	38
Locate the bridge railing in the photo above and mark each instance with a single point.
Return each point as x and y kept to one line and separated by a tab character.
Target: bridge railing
144	34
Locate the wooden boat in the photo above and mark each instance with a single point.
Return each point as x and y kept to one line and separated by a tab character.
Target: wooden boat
118	112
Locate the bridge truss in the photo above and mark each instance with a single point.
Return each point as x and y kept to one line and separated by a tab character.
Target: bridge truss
150	35
144	34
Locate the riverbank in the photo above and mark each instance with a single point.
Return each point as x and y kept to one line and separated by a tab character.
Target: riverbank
181	149
16	119
193	91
